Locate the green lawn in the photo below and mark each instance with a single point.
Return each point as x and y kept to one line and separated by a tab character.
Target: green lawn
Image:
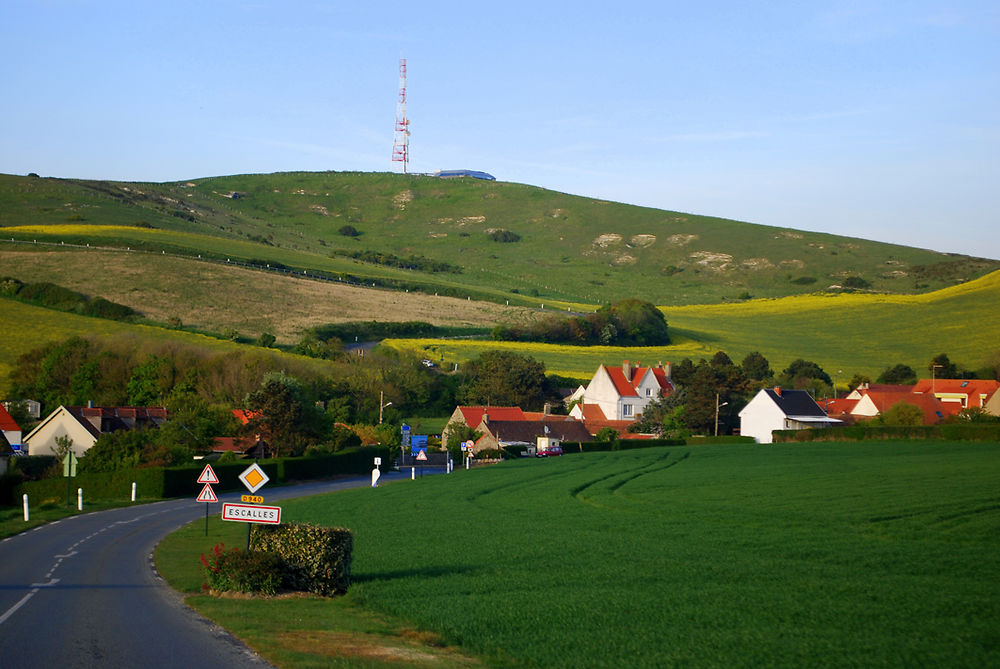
863	554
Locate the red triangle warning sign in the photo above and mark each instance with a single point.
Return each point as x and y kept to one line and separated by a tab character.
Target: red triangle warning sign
208	476
207	494
422	455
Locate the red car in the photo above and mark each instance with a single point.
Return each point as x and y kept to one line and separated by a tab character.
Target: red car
551	450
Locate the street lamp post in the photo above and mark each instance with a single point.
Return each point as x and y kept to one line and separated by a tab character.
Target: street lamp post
717	407
381	406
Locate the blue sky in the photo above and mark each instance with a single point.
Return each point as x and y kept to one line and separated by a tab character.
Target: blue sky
871	119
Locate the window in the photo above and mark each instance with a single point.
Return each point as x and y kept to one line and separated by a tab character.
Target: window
627	410
649	392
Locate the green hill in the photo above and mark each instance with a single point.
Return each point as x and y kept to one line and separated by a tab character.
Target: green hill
568	248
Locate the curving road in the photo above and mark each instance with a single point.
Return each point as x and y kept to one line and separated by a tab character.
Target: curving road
82	592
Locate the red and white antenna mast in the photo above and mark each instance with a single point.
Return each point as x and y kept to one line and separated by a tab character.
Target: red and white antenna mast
401	138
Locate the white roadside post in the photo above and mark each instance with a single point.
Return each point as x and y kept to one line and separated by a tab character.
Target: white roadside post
79	499
25	500
133	491
376	473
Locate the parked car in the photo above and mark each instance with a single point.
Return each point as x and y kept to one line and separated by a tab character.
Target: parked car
427	363
551	450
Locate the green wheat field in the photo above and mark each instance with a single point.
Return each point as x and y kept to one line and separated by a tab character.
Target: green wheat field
872	554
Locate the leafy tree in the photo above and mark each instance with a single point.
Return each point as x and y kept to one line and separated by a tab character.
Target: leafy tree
64	444
858	380
806	375
898	375
902	413
607	435
117	450
282	414
942	368
151	382
756	367
639	323
664	417
504	378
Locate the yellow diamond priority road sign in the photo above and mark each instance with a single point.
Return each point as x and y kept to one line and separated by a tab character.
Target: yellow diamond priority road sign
254	478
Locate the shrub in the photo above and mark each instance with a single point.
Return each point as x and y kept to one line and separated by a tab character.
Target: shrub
316	559
856	282
242	571
102	308
504	236
349	231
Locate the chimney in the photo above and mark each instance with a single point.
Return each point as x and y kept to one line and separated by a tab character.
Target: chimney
777	391
666	369
486	418
627	370
90	404
547	410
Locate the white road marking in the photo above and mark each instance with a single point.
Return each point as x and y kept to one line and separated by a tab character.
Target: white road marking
14	608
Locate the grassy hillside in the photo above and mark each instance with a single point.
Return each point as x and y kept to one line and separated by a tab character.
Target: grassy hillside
571	248
218	296
848	333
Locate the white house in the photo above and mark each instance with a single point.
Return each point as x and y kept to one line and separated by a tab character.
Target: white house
85	424
778	409
621	393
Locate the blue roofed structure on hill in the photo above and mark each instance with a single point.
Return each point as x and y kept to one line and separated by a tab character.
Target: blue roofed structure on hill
455	174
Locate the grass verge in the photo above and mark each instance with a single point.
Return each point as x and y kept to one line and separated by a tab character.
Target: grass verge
296	631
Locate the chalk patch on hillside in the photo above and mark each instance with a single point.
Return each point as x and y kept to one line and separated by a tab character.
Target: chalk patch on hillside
606	240
681	240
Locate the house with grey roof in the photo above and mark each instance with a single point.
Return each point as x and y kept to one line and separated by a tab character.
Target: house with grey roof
780	409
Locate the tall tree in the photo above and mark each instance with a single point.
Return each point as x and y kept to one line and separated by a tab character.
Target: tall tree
898	375
504	378
756	367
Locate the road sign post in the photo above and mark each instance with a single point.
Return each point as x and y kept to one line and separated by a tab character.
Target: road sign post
207	495
254	478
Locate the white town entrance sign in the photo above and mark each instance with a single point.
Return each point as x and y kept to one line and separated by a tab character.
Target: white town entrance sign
252	513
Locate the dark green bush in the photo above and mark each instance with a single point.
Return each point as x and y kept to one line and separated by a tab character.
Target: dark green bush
102	308
316	559
856	282
242	571
504	236
51	295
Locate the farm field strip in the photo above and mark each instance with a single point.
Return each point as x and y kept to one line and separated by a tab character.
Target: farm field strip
716	555
849	332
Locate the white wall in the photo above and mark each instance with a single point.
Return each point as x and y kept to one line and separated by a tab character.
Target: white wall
760	417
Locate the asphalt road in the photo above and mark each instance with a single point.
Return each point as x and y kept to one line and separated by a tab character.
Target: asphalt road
82	592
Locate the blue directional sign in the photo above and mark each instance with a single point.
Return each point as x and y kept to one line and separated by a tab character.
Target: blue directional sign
418	442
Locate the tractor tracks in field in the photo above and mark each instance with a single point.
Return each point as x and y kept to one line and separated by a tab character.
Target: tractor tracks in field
610	485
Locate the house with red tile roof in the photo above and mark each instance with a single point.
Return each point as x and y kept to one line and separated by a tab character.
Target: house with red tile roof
472	416
85	424
964	393
874	402
498	433
621	393
10	429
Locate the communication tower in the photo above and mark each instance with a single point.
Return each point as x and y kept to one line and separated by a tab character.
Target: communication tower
401	138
